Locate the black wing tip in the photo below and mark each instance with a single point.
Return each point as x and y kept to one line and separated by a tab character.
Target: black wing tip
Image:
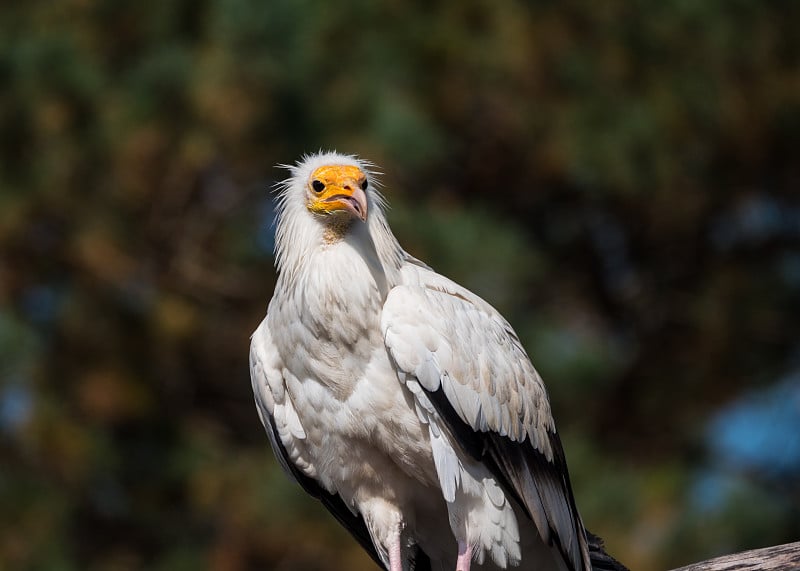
601	561
504	457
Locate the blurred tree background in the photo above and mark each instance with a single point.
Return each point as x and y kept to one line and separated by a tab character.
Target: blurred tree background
620	180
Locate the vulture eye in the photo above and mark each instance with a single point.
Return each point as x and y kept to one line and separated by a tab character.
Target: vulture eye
318	185
364	184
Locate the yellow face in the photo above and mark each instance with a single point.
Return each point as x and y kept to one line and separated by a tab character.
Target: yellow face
338	188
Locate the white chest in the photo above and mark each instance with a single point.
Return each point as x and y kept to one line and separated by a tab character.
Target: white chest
327	325
355	413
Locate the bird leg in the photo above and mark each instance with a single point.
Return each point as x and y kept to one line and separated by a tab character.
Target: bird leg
395	558
464	556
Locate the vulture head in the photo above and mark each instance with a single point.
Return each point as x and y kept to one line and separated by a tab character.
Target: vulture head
329	198
337	191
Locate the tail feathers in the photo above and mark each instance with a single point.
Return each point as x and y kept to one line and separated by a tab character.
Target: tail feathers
601	561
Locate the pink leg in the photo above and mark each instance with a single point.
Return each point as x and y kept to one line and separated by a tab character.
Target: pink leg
395	560
464	556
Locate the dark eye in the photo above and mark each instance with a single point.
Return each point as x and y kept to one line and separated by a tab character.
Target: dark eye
318	185
364	184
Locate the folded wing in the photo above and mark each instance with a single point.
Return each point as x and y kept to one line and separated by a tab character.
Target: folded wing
464	363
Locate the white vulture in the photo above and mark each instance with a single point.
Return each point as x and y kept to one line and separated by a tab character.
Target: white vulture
404	402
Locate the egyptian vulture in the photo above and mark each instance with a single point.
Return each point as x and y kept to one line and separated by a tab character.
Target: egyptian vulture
404	402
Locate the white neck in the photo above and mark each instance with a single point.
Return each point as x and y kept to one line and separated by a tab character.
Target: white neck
300	234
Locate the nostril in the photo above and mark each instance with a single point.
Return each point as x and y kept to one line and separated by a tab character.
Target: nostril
347	187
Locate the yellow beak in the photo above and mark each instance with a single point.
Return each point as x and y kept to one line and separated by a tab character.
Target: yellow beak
338	188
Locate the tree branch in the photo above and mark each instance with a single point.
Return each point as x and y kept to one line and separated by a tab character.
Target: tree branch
777	558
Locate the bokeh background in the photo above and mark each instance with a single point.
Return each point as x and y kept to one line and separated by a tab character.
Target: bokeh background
619	179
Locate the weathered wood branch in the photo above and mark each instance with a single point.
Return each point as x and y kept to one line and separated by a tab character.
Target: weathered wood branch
777	558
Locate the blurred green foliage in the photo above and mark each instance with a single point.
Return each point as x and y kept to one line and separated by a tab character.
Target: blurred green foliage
621	181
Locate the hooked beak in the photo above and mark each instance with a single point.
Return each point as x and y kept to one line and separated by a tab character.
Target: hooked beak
353	201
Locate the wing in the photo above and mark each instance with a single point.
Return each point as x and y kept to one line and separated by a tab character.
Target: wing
458	356
284	429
